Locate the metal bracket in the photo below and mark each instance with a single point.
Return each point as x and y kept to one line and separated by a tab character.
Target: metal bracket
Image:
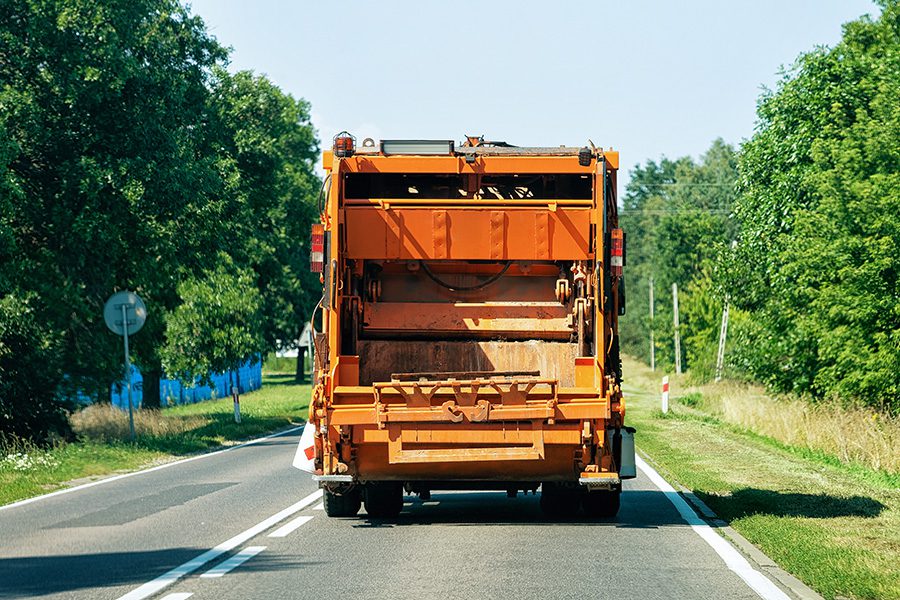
333	478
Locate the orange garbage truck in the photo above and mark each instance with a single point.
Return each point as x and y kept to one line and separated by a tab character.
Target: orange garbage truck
468	326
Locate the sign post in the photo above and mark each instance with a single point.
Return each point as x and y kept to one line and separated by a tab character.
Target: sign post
125	314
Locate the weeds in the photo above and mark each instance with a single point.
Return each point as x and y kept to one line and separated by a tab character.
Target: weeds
852	435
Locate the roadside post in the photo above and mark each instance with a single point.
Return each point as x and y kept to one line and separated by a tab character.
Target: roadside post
125	314
237	403
665	395
723	334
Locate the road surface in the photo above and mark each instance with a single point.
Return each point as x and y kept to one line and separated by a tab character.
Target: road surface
244	524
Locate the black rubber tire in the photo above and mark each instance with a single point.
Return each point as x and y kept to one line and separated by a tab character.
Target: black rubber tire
342	505
601	504
384	500
560	501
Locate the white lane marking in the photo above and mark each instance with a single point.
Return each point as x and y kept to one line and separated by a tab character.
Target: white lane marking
290	526
319	506
735	561
166	579
84	486
234	562
179	596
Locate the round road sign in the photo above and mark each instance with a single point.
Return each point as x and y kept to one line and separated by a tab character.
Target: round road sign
135	313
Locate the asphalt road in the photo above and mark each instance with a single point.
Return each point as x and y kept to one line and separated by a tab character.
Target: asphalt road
178	532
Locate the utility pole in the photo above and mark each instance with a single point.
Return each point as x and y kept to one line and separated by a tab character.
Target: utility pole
723	333
652	344
677	331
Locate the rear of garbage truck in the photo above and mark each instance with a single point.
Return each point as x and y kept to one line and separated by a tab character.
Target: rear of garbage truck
468	326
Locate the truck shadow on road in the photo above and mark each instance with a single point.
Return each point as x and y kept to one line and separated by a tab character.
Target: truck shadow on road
753	501
641	509
36	576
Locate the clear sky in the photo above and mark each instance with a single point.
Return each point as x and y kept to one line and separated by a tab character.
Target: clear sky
648	78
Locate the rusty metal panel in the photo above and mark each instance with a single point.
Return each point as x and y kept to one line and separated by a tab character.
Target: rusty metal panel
528	319
467	233
379	358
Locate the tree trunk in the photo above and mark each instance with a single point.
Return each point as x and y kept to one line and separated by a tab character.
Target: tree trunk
300	373
151	387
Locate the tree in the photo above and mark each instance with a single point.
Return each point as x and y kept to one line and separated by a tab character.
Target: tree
819	212
676	214
109	177
217	326
270	139
29	373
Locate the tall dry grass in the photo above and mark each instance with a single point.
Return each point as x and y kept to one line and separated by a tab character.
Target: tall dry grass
853	435
104	422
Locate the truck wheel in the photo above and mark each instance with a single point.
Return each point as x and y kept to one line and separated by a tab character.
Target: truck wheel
384	500
342	505
559	501
603	504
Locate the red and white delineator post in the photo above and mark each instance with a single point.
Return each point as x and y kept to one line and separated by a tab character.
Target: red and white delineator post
665	394
304	459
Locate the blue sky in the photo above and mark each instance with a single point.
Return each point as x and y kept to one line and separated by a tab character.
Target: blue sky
648	78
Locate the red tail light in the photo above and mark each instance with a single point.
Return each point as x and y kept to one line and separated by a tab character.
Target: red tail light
617	252
317	249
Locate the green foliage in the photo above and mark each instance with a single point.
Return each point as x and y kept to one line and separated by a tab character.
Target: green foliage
216	327
676	216
27	408
273	146
129	158
819	213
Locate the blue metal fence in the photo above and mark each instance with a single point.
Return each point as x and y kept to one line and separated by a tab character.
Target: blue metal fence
172	391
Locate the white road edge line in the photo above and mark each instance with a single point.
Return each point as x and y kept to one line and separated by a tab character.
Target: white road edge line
735	561
150	470
179	596
234	562
319	506
291	526
166	579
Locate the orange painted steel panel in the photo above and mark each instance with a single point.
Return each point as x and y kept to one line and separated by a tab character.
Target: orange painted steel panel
397	454
569	433
466	234
612	157
488	165
542	319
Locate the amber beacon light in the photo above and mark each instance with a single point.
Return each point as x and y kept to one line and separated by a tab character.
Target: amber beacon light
344	145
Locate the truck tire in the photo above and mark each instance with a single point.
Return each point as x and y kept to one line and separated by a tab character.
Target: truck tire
342	505
384	500
559	501
601	504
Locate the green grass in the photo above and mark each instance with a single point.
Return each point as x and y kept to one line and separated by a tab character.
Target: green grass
835	526
283	364
162	436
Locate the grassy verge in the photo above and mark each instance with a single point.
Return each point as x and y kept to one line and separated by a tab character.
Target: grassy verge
162	436
836	527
